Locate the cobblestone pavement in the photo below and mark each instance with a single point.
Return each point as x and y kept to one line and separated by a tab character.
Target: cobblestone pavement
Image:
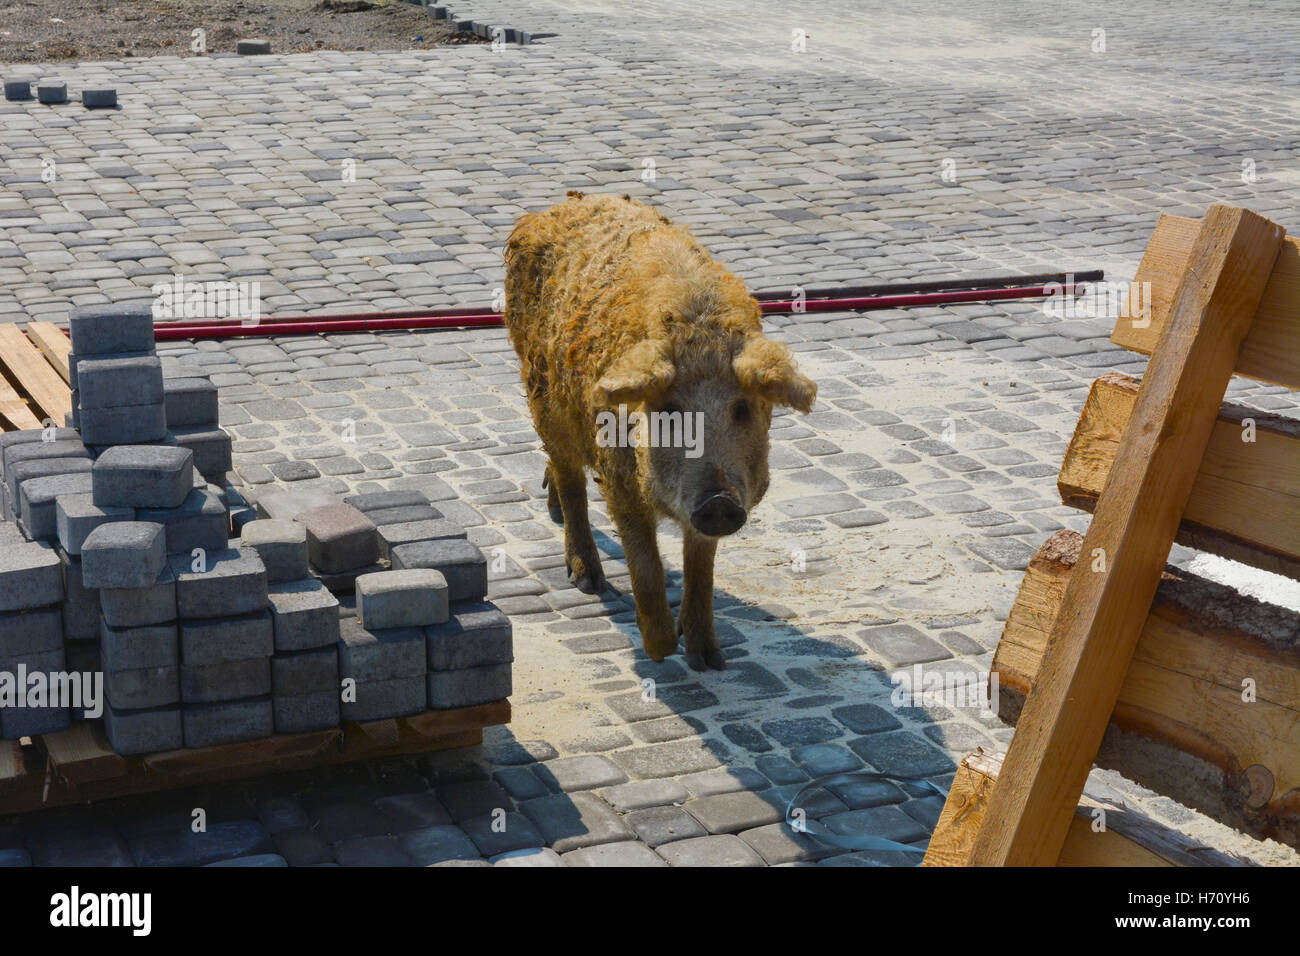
902	510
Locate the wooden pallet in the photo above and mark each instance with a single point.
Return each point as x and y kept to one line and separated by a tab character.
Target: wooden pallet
77	765
33	376
1092	649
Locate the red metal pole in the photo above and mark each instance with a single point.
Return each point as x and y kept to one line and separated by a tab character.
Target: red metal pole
453	318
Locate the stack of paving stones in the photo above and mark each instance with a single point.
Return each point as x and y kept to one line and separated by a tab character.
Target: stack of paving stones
214	621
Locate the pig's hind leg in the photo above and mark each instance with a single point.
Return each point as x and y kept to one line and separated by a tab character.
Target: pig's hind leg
568	489
552	497
654	618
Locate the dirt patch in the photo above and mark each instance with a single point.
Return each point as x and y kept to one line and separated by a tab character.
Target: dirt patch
38	31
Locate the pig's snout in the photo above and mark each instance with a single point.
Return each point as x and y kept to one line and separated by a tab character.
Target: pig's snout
717	514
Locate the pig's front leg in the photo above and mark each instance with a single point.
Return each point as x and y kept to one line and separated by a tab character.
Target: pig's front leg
695	616
653	615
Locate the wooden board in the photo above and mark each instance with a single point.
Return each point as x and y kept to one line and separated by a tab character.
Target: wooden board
17	413
13	768
1122	837
1270	351
53	343
1134	525
1181	726
1245	502
80	781
82	753
25	365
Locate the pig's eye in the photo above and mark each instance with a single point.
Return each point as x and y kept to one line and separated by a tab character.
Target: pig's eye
740	411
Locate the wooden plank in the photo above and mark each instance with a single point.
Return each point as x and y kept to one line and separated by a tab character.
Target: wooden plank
1133	527
55	346
29	369
1245	502
1128	838
1181	726
1269	352
13	768
82	753
15	410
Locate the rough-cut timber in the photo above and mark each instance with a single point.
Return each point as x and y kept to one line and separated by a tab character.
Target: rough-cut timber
1269	352
1133	527
1181	726
1128	838
1245	503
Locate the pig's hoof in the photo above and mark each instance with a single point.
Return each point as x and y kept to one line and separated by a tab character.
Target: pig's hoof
557	513
589	582
709	660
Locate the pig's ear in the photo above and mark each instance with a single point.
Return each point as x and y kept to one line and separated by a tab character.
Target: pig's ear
642	372
766	367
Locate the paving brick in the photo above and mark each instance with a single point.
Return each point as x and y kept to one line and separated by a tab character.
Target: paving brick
77	515
380	699
143	476
776	843
901	645
123	554
339	538
300	713
30	576
476	634
570	821
377	655
406	514
227	722
122	424
135	607
110	381
142	687
304	615
656	826
221	640
143	731
732	812
289	503
381	500
32	631
181	846
37	502
639	794
503	833
540	856
302	847
210	447
470	686
200	521
41	448
190	401
102	329
412	532
436	844
888	822
585	772
232	582
721	850
282	546
410	598
630	853
128	648
460	562
232	680
381	850
20	472
413	811
305	672
82	608
901	754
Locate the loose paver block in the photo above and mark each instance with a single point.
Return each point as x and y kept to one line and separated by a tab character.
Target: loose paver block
52	90
282	546
20	472
460	561
411	598
628	853
143	731
18	722
219	584
300	713
143	476
135	607
200	521
82	608
30	576
227	722
290	502
18	89
378	655
721	850
476	634
219	640
142	688
75	516
380	699
122	424
403	514
339	538
210	446
107	382
99	98
304	615
470	686
42	448
123	554
253	47
409	532
37	502
190	401
130	648
382	500
104	329
569	821
232	680
305	672
34	631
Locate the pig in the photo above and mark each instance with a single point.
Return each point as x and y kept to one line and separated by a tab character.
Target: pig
620	316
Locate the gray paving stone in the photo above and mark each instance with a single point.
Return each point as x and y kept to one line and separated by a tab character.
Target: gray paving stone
732	812
367	654
227	722
30	576
476	634
220	841
211	448
142	688
143	731
76	515
587	772
656	826
304	615
469	686
437	844
380	699
300	713
128	648
570	821
200	521
227	681
190	401
143	476
110	381
536	856
33	631
123	554
223	640
282	546
305	672
629	853
461	563
409	598
122	424
136	607
232	582
103	329
720	850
